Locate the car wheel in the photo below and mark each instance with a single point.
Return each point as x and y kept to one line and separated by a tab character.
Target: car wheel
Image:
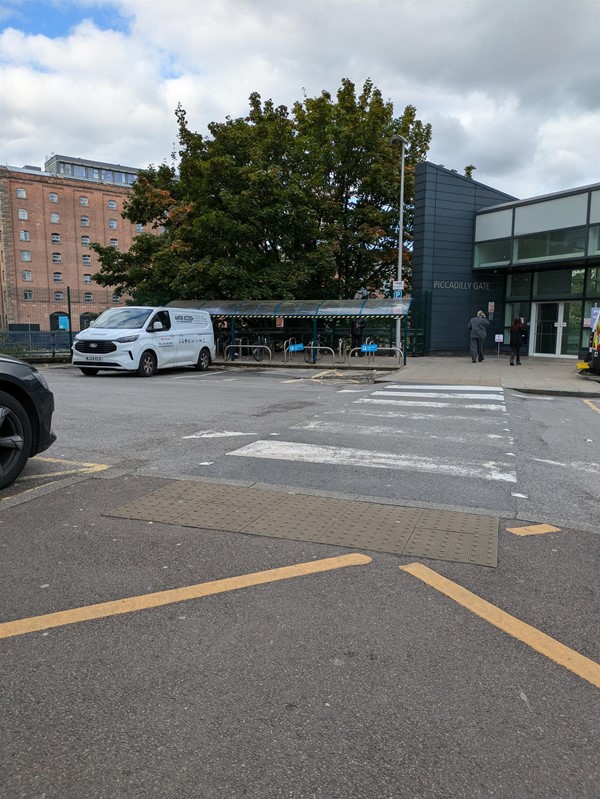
87	371
15	439
203	361
147	365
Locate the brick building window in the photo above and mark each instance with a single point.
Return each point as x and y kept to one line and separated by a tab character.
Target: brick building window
114	242
55	238
85	221
28	295
25	255
116	298
56	258
58	295
86	260
26	275
54	218
112	224
57	277
87	278
88	296
85	241
21	194
112	204
23	213
83	201
53	197
24	235
139	228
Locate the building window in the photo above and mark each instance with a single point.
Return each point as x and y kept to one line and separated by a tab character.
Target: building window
112	204
85	240
58	295
519	286
85	221
53	197
593	288
560	284
24	235
54	218
87	296
112	224
21	194
492	253
27	294
79	171
83	201
107	175
57	277
56	258
25	255
23	213
26	275
87	278
86	260
550	246
116	298
114	242
139	228
64	169
55	238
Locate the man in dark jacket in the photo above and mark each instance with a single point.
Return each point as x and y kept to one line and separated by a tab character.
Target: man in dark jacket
357	328
478	326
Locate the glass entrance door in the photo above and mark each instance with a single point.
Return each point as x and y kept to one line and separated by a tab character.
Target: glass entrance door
557	328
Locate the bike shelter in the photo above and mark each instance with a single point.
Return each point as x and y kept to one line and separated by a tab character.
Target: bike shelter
291	318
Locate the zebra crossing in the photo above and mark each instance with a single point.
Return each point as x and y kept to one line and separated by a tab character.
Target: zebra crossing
409	429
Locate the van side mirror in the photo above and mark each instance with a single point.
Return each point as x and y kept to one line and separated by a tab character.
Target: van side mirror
156	326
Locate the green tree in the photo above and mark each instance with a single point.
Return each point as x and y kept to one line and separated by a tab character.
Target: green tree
277	204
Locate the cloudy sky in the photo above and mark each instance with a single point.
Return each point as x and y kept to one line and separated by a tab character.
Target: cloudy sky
511	86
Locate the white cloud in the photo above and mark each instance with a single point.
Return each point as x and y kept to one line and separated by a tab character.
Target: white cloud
510	86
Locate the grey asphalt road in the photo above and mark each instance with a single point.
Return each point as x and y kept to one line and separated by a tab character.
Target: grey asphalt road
356	682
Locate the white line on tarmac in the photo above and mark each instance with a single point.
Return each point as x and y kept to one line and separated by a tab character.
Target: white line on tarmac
438	394
419	404
336	428
434	386
311	453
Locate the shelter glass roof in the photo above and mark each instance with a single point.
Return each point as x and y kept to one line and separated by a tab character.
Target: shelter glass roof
299	309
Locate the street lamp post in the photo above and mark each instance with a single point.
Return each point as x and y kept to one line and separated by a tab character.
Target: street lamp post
397	139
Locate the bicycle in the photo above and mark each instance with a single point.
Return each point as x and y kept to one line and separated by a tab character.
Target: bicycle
312	351
259	350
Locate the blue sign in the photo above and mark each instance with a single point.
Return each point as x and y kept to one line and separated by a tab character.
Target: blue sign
369	347
398	294
595	317
295	347
63	322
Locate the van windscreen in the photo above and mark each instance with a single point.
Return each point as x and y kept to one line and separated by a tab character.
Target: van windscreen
122	318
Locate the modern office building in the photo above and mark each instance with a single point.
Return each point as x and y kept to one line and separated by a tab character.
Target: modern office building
476	248
48	218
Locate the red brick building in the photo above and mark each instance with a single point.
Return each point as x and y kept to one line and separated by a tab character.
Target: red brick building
48	219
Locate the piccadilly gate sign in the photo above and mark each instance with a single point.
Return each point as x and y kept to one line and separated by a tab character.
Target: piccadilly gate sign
460	285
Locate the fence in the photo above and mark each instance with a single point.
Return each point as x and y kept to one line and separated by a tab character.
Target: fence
36	345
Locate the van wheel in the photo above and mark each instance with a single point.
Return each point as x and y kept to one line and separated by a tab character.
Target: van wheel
87	371
203	361
147	365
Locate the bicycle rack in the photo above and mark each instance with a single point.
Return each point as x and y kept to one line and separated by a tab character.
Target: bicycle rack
371	355
251	347
319	348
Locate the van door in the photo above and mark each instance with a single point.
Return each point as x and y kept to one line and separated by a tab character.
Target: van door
164	338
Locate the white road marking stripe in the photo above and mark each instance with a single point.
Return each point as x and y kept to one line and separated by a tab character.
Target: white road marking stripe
218	434
310	453
435	386
439	394
336	428
417	404
489	420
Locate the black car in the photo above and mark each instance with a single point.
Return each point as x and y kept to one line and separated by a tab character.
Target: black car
26	407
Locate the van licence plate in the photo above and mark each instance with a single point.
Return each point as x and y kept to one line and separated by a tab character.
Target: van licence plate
93	358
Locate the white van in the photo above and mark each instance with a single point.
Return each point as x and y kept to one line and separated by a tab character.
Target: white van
142	340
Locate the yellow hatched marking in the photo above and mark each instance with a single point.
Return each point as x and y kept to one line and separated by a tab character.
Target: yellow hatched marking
533	529
102	610
544	644
591	404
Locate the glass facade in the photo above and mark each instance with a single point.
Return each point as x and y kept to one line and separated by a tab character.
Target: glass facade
560	284
550	246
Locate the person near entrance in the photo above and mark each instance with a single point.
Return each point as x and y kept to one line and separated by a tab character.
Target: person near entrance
478	326
357	328
517	339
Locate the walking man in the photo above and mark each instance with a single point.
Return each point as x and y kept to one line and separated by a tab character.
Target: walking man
478	326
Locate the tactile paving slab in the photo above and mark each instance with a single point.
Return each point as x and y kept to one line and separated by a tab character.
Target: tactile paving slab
416	532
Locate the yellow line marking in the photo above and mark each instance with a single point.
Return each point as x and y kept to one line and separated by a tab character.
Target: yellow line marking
592	405
544	644
533	529
144	601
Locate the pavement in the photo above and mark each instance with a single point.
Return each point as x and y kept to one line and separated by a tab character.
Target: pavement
549	376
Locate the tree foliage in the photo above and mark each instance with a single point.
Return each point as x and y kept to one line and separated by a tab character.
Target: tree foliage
299	203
